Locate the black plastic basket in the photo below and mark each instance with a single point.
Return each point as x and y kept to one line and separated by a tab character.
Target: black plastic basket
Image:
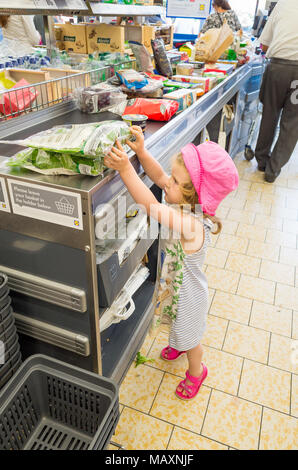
10	364
5	311
51	405
4	299
5	378
9	333
3	284
5	324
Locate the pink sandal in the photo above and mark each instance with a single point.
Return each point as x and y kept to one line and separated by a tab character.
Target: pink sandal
170	354
191	390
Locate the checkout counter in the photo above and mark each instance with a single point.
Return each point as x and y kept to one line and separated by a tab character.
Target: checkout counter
48	246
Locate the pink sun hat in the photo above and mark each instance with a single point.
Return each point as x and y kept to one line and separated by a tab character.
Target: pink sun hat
213	173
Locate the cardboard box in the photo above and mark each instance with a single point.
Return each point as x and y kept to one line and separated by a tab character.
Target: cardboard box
105	38
73	37
207	83
140	33
185	98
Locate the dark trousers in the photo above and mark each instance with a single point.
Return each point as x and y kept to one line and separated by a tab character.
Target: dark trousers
279	96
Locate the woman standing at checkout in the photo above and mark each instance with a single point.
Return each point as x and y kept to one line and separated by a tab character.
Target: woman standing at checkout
223	12
20	29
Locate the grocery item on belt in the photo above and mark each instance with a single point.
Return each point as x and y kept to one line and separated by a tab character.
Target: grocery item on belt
152	90
184	98
156	110
51	163
142	56
203	82
131	79
184	68
93	100
135	120
89	140
178	85
162	61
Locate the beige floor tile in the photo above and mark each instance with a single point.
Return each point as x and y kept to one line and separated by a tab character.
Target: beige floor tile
177	367
139	387
283	353
222	279
216	257
244	185
274	199
295	325
253	176
292	202
256	288
294	400
252	232
247	195
231	307
266	386
290	226
271	318
289	256
247	341
147	344
279	431
257	208
186	440
229	227
263	187
215	332
222	212
213	240
277	272
267	221
232	243
224	370
169	407
296	277
263	250
138	431
292	183
241	216
288	214
243	264
232	202
211	293
278	237
233	421
286	296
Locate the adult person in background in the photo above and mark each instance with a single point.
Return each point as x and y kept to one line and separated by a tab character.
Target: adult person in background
39	25
20	28
223	12
279	90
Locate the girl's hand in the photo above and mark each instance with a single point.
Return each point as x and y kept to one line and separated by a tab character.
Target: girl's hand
117	159
138	145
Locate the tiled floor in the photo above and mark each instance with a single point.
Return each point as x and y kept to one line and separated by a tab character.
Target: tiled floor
249	400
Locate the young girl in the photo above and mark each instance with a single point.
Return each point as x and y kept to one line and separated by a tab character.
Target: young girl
204	176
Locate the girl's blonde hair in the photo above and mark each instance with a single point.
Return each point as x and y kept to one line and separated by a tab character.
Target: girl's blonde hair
190	196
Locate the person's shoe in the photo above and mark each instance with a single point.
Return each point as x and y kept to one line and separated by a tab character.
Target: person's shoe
261	168
271	178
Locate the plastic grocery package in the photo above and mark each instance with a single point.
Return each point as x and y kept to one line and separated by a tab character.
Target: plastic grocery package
156	110
89	140
16	101
184	98
152	90
51	163
131	79
142	56
162	61
96	100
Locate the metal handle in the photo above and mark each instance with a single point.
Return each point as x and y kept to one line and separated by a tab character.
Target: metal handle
45	289
52	334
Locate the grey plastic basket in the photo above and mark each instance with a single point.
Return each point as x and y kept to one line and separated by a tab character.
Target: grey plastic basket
3	284
51	405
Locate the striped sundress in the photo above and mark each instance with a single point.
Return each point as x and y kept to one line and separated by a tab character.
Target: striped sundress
182	298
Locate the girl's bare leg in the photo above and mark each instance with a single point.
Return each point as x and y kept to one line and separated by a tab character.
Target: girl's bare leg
195	369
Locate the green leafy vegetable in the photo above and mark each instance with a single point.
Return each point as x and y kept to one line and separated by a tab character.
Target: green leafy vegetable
142	359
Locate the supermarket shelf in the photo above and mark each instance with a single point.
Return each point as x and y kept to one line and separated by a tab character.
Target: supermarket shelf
114	9
43	7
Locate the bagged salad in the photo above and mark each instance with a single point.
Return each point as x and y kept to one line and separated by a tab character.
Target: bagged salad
85	140
51	163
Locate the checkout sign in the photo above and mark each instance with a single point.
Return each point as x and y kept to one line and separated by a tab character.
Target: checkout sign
45	203
4	202
196	9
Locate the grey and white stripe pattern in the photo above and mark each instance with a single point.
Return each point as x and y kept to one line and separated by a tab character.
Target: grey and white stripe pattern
190	324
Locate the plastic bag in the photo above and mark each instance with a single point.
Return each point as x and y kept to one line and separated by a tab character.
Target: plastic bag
152	90
96	100
18	100
213	43
131	79
156	110
162	62
51	163
142	56
89	140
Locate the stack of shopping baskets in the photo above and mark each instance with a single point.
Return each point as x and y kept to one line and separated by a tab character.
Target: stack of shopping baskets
10	355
